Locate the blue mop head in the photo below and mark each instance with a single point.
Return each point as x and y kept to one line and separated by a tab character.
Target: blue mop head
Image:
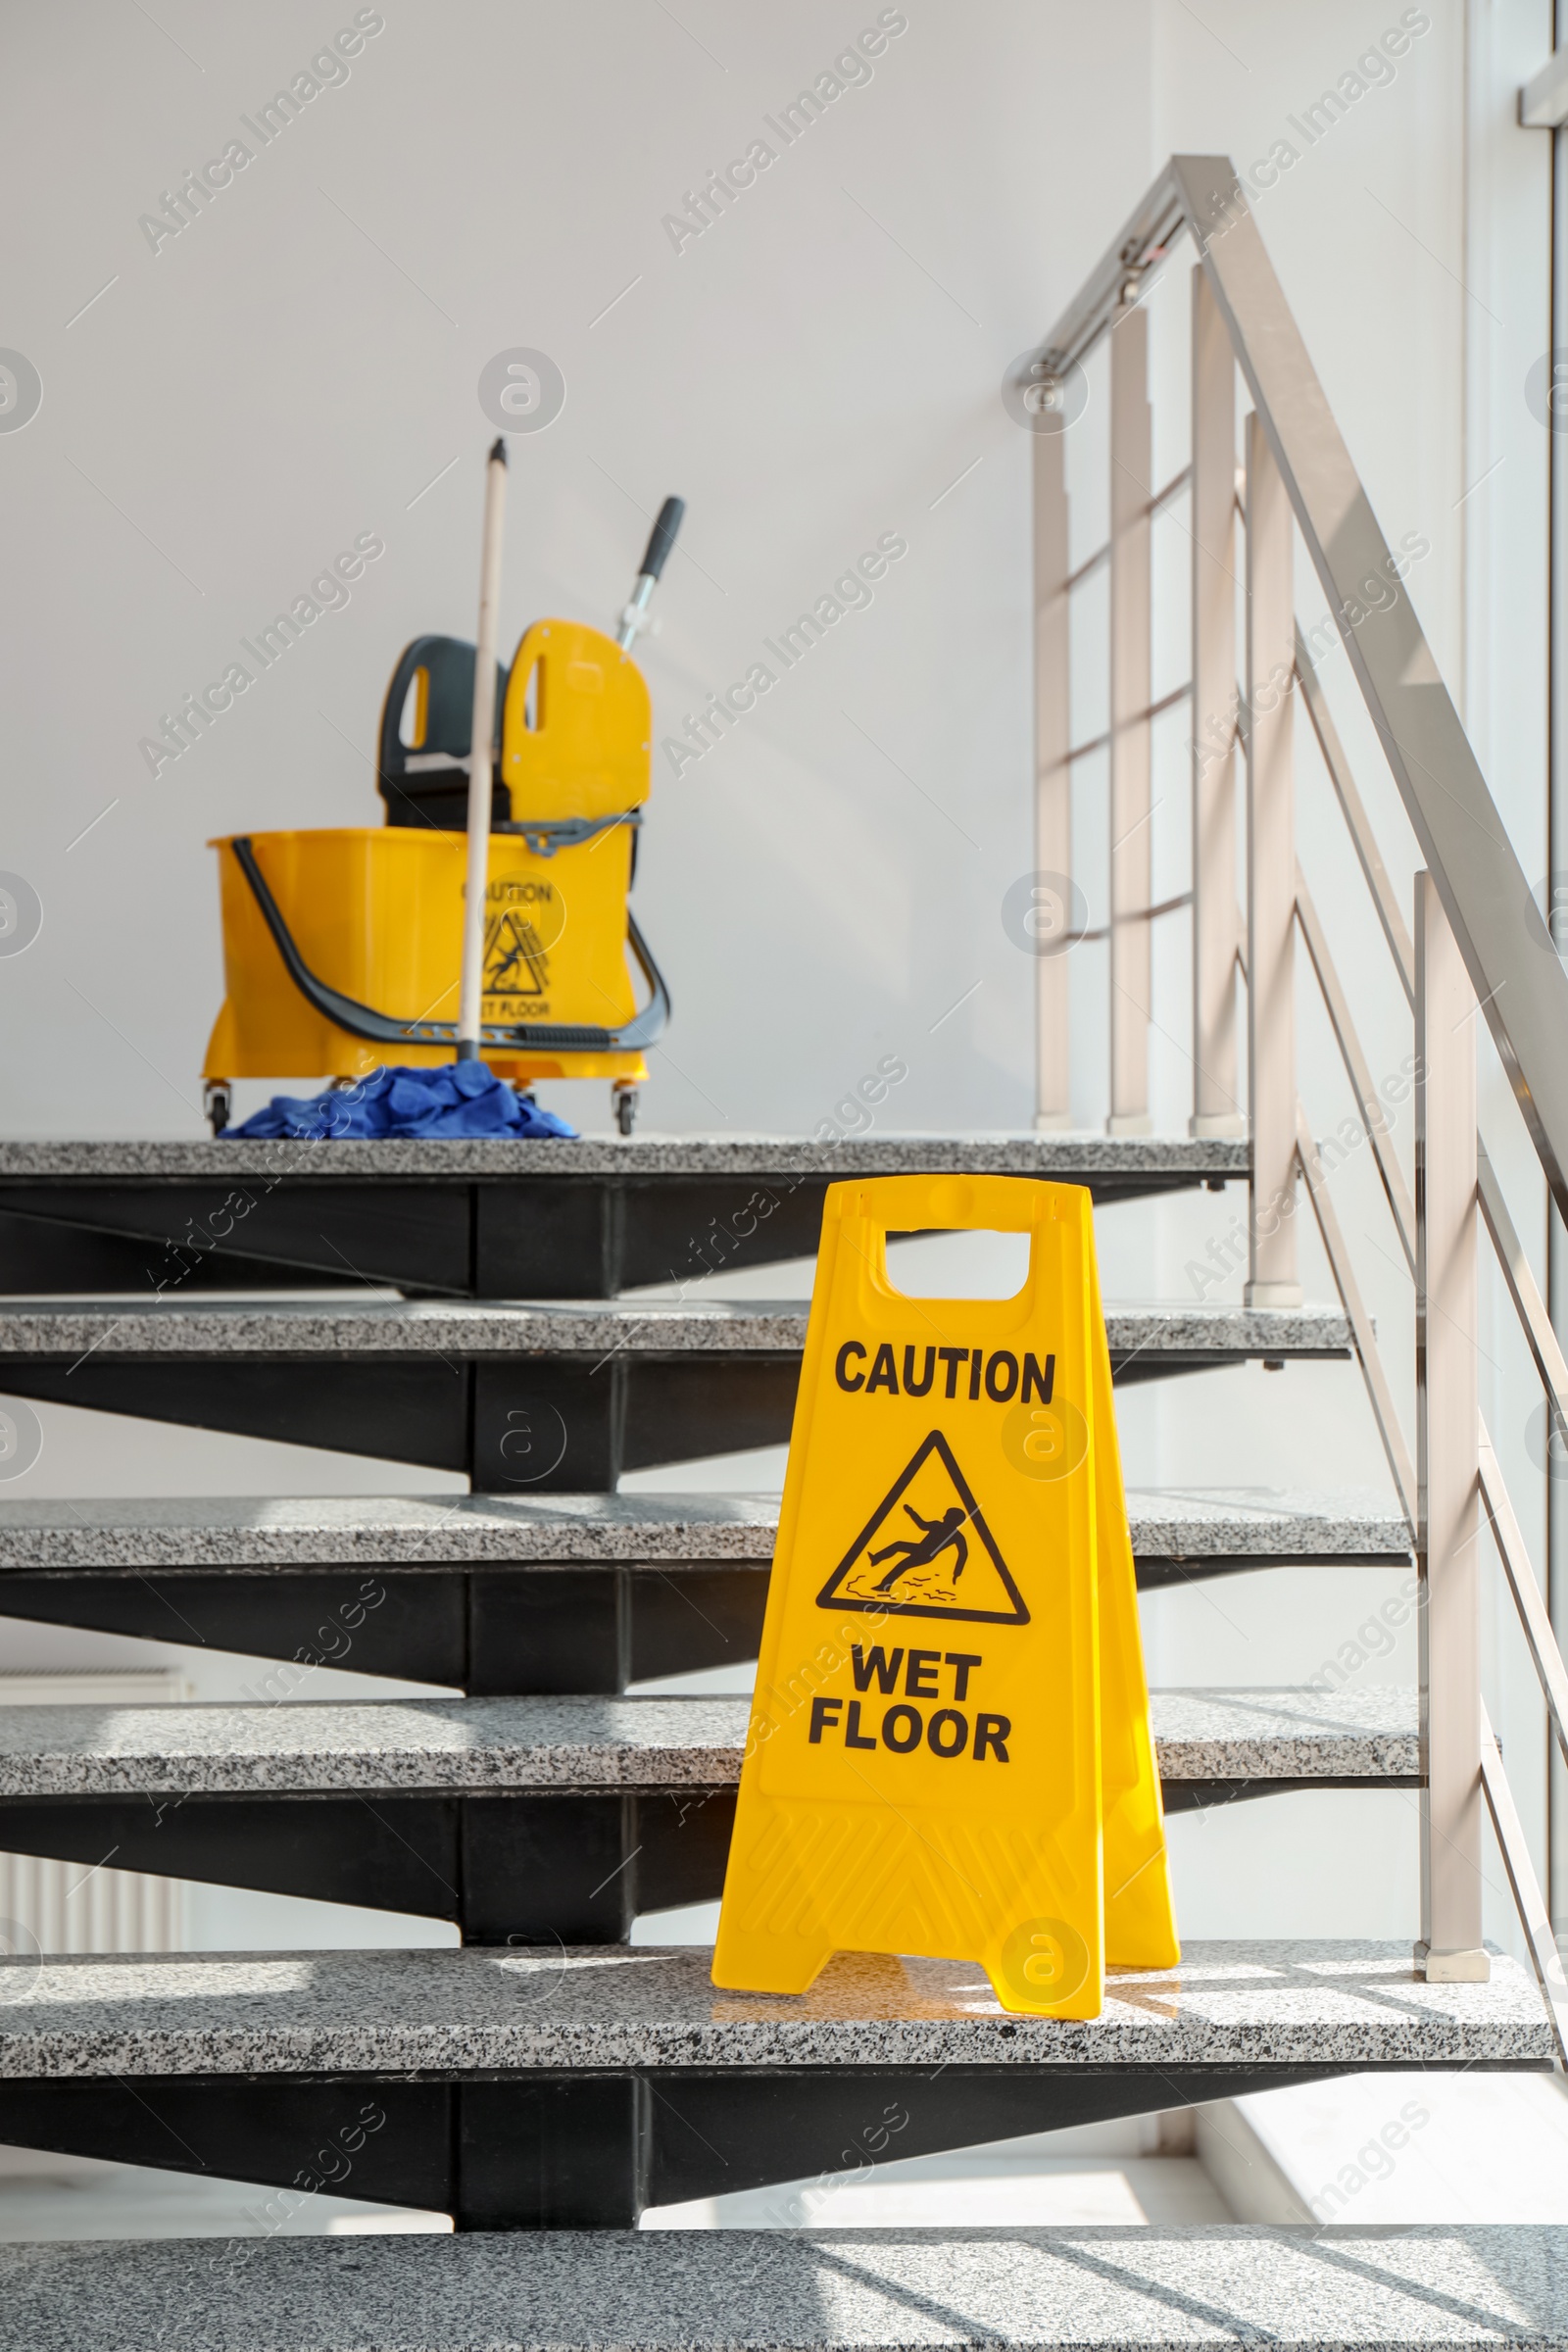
459	1099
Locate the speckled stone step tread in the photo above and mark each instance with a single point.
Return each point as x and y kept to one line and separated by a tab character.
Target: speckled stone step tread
455	1744
618	2007
476	1530
596	1327
641	1157
1335	2289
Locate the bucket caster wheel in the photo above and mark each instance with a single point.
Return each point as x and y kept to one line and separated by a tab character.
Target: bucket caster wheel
626	1101
218	1101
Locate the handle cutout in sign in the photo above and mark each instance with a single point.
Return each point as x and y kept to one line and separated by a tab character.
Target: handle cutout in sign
950	1752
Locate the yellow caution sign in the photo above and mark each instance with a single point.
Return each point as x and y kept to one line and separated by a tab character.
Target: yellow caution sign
950	1616
1140	1918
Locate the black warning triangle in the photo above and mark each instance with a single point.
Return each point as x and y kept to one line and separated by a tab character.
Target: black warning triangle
926	1551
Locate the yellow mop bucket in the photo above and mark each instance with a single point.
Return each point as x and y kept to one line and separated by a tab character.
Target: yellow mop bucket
343	949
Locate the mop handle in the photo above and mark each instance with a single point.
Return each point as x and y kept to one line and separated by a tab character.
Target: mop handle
481	738
661	539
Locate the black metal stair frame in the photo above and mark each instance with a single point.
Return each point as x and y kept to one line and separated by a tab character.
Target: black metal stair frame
491	1631
494	1632
524	1397
491	1219
505	1868
586	1420
584	2149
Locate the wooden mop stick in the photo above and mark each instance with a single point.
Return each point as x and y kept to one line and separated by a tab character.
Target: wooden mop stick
480	740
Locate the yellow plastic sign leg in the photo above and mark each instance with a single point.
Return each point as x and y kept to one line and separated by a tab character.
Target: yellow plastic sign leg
1140	1917
923	1772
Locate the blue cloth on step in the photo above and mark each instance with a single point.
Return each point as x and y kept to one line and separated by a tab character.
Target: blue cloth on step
457	1098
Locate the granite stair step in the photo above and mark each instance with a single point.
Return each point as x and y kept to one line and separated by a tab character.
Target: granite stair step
569	1593
1202	1735
558	2086
1162	2289
364	1328
494	1218
529	1818
556	1394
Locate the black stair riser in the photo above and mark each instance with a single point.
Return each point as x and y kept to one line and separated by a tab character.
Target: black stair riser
581	2151
507	1866
517	1424
546	1236
492	1633
519	1866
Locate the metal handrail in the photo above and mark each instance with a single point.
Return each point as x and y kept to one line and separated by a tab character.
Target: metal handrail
1354	809
1379	1394
1400	1206
1518	1276
1485	894
1545	1957
1158	221
1480	941
1539	1638
1523	1290
1529	1603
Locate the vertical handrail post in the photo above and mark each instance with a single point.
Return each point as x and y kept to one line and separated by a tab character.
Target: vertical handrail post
1216	1106
1131	488
1448	1451
1270	877
1052	779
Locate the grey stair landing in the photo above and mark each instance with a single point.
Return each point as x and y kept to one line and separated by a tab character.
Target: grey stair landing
570	2088
522	1395
494	1218
569	1592
1336	2289
522	1819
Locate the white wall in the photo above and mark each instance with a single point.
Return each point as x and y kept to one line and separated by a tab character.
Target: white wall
811	372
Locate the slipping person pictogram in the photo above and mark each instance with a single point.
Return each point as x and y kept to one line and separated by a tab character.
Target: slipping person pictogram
889	1570
941	1535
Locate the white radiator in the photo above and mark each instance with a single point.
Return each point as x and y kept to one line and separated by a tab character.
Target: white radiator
79	1906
